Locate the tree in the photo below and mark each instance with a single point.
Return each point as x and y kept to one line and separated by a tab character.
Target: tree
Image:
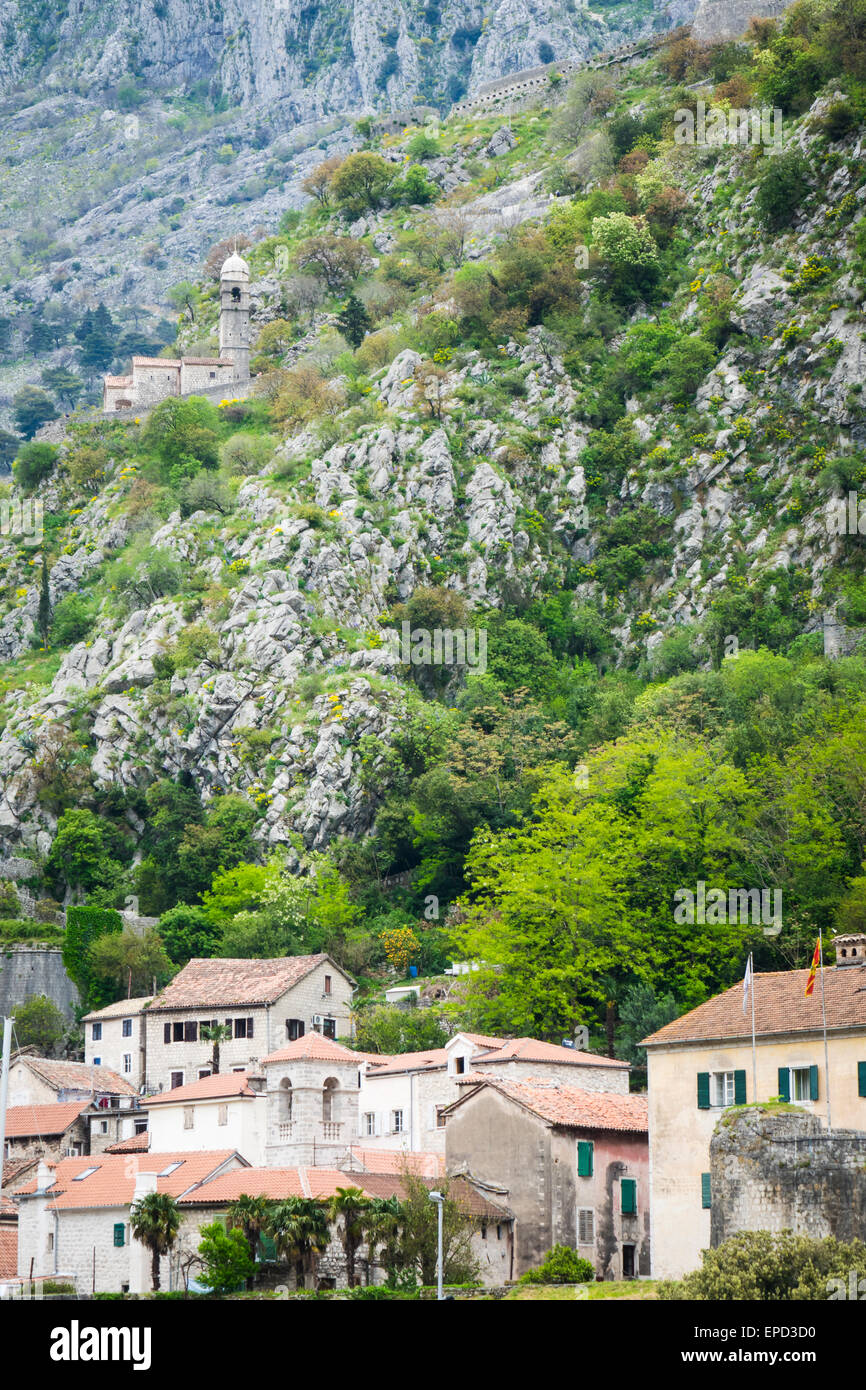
772	1266
361	182
226	1261
155	1222
9	447
182	432
388	1029
642	1011
34	463
353	321
32	407
43	616
219	254
252	1215
783	185
300	1231
65	384
188	931
86	854
185	297
338	260
318	183
627	248
40	1024
225	840
413	188
418	1239
129	963
348	1209
215	1033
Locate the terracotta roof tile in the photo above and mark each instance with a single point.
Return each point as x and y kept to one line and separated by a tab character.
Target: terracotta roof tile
79	1076
570	1107
431	1060
8	1249
223	1085
482	1039
781	1006
319	1048
277	1183
533	1050
123	1008
373	1160
223	983
14	1170
135	1144
112	1183
35	1121
156	362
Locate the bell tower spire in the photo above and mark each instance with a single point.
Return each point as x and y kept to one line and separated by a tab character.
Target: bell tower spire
235	313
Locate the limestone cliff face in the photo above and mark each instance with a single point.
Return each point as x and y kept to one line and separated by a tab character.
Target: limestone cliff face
317	58
716	20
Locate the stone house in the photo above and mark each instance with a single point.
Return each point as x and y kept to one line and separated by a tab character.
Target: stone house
573	1166
73	1219
264	1003
115	1037
225	1111
47	1131
108	1103
701	1063
403	1098
153	379
313	1092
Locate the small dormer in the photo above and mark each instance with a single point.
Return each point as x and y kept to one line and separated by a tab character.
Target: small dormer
850	949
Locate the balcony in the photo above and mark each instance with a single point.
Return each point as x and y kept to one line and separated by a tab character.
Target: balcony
331	1129
285	1133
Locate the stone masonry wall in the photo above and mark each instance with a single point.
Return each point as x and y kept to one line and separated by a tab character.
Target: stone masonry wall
29	970
783	1171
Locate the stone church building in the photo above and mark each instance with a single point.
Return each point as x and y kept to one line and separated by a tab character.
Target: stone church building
154	378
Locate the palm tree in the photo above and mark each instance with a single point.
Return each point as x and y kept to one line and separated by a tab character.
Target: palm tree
155	1221
300	1230
215	1033
349	1209
251	1214
384	1227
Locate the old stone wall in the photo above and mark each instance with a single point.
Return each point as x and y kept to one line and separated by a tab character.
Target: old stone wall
783	1171
29	970
728	19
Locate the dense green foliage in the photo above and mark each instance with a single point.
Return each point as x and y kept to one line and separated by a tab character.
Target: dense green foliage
773	1267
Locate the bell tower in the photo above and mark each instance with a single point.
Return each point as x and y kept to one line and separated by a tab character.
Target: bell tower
235	314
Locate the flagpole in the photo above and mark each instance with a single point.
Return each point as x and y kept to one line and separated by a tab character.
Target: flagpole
826	1055
754	1049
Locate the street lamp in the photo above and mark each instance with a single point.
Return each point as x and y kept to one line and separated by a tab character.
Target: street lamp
440	1202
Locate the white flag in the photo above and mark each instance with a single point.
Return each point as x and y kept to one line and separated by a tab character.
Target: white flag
747	983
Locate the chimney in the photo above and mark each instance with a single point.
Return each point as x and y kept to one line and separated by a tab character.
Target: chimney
44	1176
850	949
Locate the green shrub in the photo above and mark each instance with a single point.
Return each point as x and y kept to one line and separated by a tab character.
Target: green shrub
34	463
784	183
777	1267
561	1265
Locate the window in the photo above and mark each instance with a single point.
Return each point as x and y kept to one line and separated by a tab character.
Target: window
103	1126
190	1032
50	1240
628	1195
189	1117
166	1032
85	1173
369	1123
97	1032
171	1168
212	375
294	1029
397	1121
798	1083
483	1230
584	1158
119	1233
721	1088
327	984
203	1072
459	1065
176	1079
177	1032
586	1225
329	1028
329	1090
141	1126
97	1061
223	1115
243	1028
706	1192
126	1028
127	1062
628	1262
861	1078
440	1116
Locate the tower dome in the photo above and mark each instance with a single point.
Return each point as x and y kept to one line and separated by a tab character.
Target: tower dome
235	268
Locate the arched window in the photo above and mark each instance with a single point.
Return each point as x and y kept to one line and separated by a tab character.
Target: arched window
236	294
329	1091
286	1088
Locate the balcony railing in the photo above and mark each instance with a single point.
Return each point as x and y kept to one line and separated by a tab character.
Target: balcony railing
285	1132
331	1129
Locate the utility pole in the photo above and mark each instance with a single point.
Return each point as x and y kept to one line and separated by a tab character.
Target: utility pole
4	1090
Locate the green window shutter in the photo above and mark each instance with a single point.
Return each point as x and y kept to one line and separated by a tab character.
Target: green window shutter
784	1083
584	1158
706	1191
739	1088
629	1196
118	1233
267	1248
813	1083
703	1090
861	1078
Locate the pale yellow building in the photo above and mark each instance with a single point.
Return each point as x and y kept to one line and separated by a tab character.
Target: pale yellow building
701	1063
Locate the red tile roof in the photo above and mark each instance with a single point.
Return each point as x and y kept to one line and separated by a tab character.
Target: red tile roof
156	362
8	1249
78	1076
219	983
568	1106
373	1160
42	1121
317	1047
322	1183
135	1144
781	1006
112	1184
532	1050
482	1039
431	1060
122	1008
223	1085
14	1170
